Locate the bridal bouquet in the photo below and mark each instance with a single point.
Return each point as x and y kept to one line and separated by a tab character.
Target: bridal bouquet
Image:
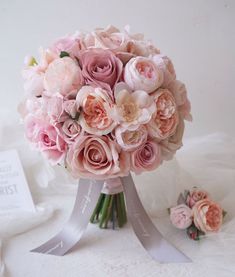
103	104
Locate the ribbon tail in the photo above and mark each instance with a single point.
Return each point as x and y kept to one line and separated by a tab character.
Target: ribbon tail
149	236
87	196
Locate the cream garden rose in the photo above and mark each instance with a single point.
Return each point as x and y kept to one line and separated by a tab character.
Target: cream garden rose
132	108
142	73
131	138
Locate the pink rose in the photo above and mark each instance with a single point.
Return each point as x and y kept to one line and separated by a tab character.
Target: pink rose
132	108
70	130
181	216
207	216
45	137
146	157
196	195
97	157
142	74
131	139
165	120
100	68
167	68
62	76
95	105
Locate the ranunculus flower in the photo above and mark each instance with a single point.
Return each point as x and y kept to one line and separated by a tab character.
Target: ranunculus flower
146	157
95	107
196	195
45	138
97	157
141	73
131	139
101	68
165	120
62	76
207	215
181	216
132	108
167	68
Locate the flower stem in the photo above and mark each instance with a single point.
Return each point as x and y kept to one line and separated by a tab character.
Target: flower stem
110	208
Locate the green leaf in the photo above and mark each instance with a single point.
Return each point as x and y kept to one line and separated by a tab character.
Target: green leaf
224	213
64	54
32	61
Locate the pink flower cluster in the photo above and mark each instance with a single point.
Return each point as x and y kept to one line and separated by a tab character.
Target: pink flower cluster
197	213
104	103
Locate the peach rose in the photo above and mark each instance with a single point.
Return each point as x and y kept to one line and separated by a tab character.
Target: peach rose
165	120
179	91
207	216
146	157
132	108
97	157
62	76
196	195
95	108
181	216
141	73
131	139
170	145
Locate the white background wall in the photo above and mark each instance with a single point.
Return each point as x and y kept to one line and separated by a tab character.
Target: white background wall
198	35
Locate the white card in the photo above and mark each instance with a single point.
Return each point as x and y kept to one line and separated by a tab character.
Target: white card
14	190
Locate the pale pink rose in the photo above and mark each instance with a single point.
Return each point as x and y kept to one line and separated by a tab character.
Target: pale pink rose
60	109
167	68
132	108
62	76
196	195
165	120
130	139
170	145
70	130
45	138
207	216
179	91
110	38
138	46
101	68
146	157
96	106
33	77
97	157
142	74
67	44
181	216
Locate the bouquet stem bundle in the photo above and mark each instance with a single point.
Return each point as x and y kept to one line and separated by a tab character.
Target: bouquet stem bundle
110	210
